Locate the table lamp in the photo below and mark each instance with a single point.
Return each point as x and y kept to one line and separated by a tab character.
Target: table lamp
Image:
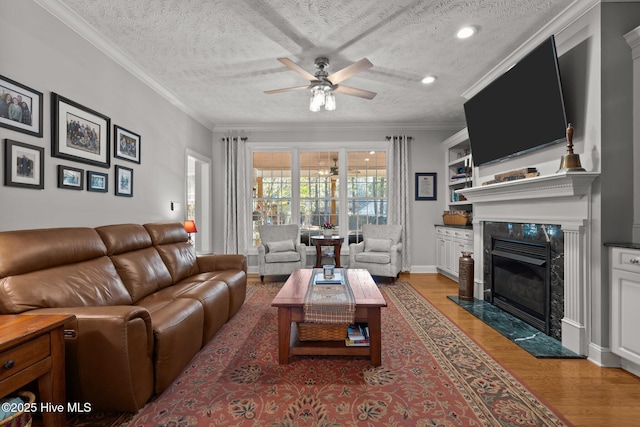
190	227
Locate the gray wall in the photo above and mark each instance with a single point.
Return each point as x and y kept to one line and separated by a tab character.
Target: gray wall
40	52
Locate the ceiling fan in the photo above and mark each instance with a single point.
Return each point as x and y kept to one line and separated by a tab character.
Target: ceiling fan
322	85
334	169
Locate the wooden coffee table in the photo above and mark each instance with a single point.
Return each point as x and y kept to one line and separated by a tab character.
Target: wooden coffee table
290	301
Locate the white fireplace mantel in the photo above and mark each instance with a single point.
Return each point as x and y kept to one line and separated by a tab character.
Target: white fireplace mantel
564	184
563	198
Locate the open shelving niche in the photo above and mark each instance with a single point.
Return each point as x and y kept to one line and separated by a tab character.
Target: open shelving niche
453	240
458	160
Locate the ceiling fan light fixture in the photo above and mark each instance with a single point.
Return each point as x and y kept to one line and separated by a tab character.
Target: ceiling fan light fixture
317	99
330	101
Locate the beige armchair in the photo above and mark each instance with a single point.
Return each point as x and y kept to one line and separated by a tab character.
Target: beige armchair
279	251
379	250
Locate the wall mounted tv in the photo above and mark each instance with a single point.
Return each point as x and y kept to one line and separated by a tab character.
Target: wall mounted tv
520	111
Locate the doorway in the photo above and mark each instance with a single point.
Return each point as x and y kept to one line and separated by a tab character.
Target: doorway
198	199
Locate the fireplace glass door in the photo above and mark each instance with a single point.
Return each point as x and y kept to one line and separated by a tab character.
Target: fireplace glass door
520	281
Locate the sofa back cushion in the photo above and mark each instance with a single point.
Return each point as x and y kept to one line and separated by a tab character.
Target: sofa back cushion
136	259
171	241
58	267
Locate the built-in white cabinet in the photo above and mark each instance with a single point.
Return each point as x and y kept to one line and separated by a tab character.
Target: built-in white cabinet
625	306
451	242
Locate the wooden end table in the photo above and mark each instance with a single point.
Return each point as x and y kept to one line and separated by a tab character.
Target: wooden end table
320	241
290	303
32	347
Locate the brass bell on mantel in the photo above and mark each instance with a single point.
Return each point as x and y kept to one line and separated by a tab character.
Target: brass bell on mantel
570	162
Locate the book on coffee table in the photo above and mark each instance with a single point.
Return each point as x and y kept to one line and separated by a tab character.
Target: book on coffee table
337	279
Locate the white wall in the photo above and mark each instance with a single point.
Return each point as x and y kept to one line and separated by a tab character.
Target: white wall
425	156
40	52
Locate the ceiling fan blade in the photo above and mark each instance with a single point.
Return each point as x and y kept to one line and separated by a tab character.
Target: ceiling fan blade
288	89
349	71
298	69
348	90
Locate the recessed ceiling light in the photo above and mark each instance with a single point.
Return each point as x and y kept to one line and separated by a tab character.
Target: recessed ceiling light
466	32
429	79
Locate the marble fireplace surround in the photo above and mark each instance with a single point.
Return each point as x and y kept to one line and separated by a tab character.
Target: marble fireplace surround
562	198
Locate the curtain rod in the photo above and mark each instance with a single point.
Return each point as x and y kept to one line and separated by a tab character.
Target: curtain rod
396	136
242	138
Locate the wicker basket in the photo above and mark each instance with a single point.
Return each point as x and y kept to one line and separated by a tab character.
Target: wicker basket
456	218
322	332
20	419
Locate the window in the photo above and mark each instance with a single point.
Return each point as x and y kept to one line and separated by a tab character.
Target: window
346	188
366	189
271	190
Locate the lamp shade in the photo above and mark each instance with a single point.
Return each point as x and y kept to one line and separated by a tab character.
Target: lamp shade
190	226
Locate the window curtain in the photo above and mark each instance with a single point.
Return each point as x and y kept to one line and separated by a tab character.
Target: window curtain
398	208
235	237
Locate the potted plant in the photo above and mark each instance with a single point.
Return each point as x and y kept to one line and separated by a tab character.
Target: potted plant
327	229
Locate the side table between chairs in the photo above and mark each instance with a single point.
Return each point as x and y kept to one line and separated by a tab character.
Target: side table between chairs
320	241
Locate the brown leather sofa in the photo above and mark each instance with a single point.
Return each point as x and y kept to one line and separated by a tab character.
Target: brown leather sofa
144	303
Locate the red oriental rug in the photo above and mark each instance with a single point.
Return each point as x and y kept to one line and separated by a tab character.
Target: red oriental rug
432	374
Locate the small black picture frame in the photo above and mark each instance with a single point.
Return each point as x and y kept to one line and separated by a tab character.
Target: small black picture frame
97	182
70	178
29	118
426	186
23	165
126	144
123	181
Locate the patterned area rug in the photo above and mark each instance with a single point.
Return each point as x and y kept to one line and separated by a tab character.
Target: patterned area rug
432	374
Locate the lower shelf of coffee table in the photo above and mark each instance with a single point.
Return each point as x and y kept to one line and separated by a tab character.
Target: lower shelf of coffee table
323	348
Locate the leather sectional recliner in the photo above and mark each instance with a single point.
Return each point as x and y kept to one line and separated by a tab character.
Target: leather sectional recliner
144	303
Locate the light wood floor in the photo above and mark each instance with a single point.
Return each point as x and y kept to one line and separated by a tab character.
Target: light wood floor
584	393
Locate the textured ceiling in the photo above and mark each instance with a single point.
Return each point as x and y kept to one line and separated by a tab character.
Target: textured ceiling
219	56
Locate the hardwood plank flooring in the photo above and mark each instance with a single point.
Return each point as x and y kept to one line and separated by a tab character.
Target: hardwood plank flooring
586	394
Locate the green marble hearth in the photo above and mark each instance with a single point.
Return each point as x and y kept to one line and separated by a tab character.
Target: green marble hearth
524	335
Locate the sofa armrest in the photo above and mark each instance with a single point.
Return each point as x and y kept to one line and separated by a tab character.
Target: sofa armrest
108	355
222	262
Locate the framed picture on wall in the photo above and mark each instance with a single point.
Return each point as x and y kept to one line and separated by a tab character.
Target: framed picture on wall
70	178
124	181
23	165
97	182
126	144
426	188
20	107
79	133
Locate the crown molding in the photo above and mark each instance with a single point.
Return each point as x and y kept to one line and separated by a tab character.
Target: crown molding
319	127
568	16
79	25
633	40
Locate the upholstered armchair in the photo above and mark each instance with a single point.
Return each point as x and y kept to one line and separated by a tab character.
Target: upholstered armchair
279	251
379	251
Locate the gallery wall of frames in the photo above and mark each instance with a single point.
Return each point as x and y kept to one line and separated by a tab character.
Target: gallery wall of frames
78	134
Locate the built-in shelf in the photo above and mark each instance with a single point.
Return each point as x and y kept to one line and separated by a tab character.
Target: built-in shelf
458	161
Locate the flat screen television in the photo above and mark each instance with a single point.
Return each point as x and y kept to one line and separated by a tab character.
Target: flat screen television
520	111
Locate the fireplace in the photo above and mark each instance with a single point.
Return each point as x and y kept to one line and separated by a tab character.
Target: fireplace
520	280
524	272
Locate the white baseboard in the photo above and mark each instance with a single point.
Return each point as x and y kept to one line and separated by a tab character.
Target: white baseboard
602	356
423	269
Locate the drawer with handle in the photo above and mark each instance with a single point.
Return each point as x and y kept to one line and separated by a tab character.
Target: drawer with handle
15	359
625	259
